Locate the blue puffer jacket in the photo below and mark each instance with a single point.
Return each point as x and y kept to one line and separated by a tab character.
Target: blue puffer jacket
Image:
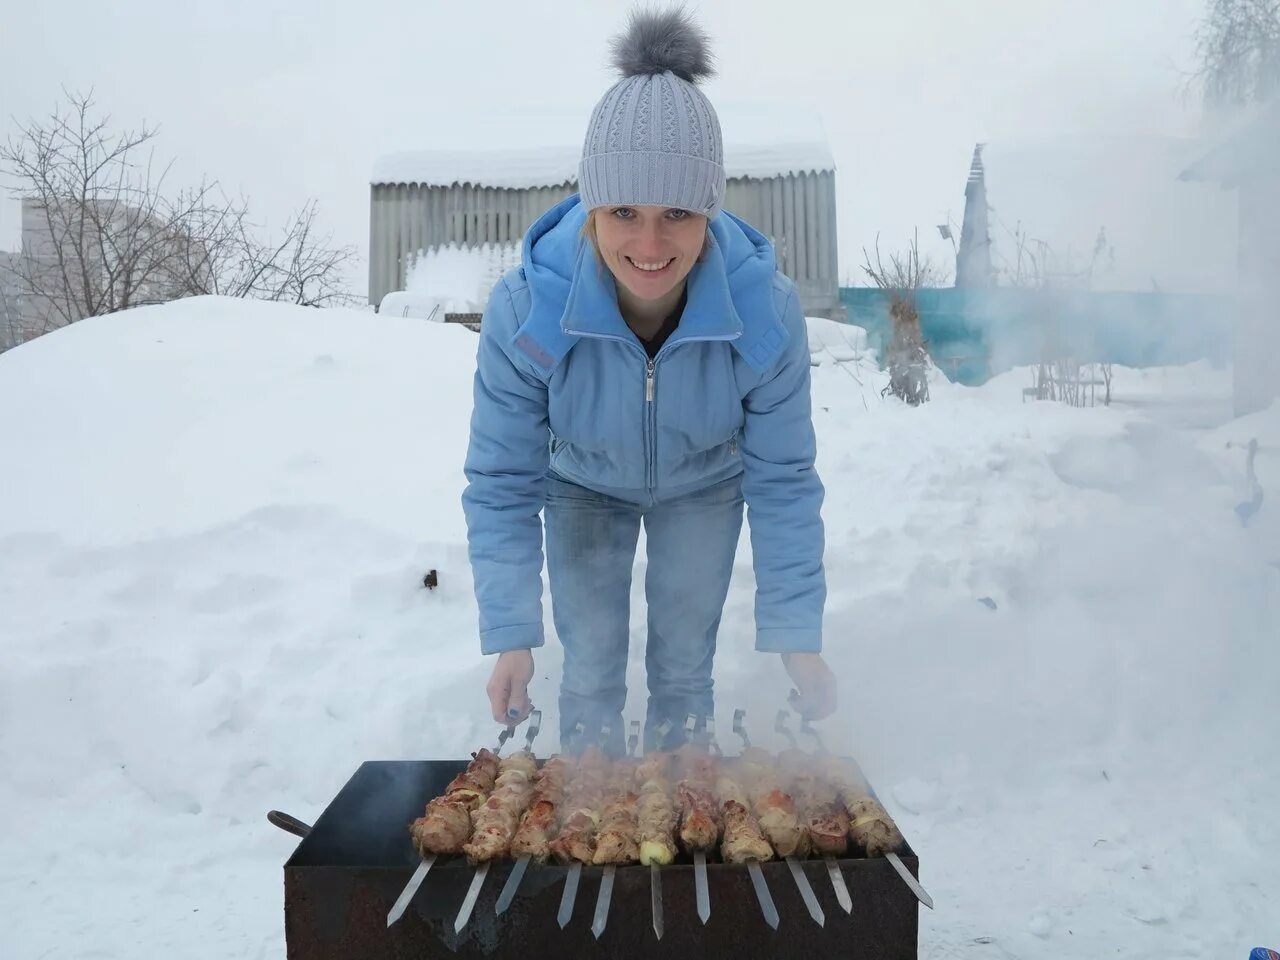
563	384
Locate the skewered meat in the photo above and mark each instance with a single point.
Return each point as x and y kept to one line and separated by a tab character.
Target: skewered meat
590	810
872	828
585	794
773	804
442	828
699	817
818	805
539	822
776	812
870	825
743	839
616	839
656	814
494	822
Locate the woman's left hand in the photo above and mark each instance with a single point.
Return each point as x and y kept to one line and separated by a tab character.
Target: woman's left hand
815	685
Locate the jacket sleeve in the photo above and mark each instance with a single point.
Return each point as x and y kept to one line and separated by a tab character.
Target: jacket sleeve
506	470
784	499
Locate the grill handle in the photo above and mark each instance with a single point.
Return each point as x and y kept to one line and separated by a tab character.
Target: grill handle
288	823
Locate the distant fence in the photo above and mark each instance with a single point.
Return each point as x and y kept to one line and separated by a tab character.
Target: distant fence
975	334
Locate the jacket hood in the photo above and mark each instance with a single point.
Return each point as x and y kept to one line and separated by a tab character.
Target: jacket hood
730	293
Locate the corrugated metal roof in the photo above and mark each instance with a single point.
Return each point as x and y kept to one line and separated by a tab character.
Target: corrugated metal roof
760	141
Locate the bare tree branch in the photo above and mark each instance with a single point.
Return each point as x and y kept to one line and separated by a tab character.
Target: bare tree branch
1238	52
109	234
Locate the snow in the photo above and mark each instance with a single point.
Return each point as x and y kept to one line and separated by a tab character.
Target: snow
521	150
215	520
460	277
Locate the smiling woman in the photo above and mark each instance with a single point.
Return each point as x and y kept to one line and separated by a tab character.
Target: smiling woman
658	376
650	251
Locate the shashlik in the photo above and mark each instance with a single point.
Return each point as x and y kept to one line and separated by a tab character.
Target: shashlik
616	837
542	817
743	838
773	804
870	825
446	824
494	822
656	813
592	810
585	791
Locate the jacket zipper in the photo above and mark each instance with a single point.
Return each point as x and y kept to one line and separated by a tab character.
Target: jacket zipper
651	391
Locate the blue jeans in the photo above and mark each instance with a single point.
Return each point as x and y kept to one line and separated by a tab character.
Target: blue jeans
591	546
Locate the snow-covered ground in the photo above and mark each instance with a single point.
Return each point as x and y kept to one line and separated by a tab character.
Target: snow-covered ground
214	521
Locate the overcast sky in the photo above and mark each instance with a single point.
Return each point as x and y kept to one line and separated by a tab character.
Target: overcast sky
286	101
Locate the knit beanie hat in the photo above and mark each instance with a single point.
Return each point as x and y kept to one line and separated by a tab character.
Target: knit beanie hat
654	138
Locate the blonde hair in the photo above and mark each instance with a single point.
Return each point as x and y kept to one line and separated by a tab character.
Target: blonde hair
589	233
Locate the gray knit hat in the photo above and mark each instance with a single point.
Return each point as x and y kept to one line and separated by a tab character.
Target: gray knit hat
654	138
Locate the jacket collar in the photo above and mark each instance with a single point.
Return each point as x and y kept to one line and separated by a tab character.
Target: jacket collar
573	294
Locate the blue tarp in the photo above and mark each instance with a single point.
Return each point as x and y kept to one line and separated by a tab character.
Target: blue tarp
974	334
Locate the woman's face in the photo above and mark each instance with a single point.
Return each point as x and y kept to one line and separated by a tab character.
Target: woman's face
649	250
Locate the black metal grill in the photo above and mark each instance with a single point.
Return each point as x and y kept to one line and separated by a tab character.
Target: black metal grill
345	875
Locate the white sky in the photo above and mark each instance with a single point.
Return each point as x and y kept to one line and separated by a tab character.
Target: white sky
285	101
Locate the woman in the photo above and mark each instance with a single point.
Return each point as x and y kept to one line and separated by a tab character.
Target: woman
646	364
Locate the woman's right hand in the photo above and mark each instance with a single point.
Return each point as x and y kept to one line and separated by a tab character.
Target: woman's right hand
508	687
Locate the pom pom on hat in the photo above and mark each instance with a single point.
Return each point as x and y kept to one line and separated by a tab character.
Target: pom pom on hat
658	41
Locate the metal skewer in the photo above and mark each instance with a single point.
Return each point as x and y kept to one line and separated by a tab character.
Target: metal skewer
767	908
806	727
512	885
739	727
473	893
701	894
574	877
806	891
535	726
570	894
780	726
909	880
894	860
655	897
603	899
838	884
410	888
503	737
522	862
662	733
709	731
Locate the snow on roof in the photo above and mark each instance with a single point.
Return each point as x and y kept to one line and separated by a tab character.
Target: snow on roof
1166	235
520	151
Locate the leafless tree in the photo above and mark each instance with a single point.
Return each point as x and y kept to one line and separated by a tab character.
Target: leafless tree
904	275
110	234
225	256
1238	52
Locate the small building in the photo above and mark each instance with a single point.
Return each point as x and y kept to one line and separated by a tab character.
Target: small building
1249	163
781	180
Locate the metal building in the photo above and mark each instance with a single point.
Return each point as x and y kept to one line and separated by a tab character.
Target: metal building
1246	162
781	181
